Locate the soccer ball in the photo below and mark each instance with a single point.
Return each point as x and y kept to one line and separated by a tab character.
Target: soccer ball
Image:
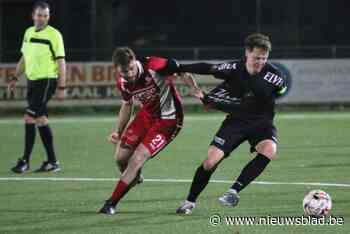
317	203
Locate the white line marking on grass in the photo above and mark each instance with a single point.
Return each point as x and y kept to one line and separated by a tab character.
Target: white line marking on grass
204	117
78	179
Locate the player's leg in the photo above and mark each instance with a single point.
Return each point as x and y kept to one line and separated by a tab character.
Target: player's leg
122	156
48	88
46	135
136	162
204	171
225	141
158	136
125	183
131	138
266	151
263	141
201	179
29	140
29	130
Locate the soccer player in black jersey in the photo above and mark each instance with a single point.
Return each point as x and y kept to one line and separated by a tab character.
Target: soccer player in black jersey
247	94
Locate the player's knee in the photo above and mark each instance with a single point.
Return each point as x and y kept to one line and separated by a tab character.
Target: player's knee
122	156
215	155
136	161
209	165
139	158
267	148
42	121
28	119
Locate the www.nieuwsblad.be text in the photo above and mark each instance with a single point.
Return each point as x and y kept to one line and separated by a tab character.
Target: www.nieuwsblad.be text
217	219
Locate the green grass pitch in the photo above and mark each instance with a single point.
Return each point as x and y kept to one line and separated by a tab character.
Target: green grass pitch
314	147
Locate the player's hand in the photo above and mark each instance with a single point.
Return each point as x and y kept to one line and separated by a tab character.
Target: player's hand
114	137
197	92
60	94
12	84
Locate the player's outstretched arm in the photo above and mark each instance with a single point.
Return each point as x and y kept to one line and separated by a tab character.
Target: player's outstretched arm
122	121
170	66
220	71
197	68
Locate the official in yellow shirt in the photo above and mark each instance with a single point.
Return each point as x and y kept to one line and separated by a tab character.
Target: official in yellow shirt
43	63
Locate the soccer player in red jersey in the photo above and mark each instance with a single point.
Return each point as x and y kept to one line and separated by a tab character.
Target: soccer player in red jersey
154	126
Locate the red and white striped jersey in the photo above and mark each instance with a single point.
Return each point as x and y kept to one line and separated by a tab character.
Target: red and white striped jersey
153	88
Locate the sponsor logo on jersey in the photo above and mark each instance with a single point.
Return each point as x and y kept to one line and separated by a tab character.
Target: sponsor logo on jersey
226	66
146	94
273	79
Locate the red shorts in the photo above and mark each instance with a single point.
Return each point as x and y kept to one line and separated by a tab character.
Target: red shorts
153	133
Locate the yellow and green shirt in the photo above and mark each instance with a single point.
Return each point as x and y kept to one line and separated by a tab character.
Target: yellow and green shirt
40	50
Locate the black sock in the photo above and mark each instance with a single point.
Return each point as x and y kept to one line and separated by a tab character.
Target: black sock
47	139
251	171
29	139
200	181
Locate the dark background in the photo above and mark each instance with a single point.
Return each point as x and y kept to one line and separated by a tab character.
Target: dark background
184	29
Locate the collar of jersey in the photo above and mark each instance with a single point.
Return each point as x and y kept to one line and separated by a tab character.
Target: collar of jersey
40	30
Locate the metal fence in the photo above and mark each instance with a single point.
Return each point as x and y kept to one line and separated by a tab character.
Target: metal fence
198	53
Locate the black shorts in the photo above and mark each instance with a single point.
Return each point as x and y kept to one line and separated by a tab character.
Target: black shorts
234	132
39	92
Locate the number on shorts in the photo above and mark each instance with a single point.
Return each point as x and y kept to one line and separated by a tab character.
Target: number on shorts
158	141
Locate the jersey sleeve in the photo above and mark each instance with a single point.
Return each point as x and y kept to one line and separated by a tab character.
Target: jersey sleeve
162	66
58	46
275	86
220	71
220	99
125	95
224	70
281	88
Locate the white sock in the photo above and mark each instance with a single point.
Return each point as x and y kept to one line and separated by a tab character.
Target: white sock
192	203
232	191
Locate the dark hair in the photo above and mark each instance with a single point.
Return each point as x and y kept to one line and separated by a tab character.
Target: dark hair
41	4
257	40
122	56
